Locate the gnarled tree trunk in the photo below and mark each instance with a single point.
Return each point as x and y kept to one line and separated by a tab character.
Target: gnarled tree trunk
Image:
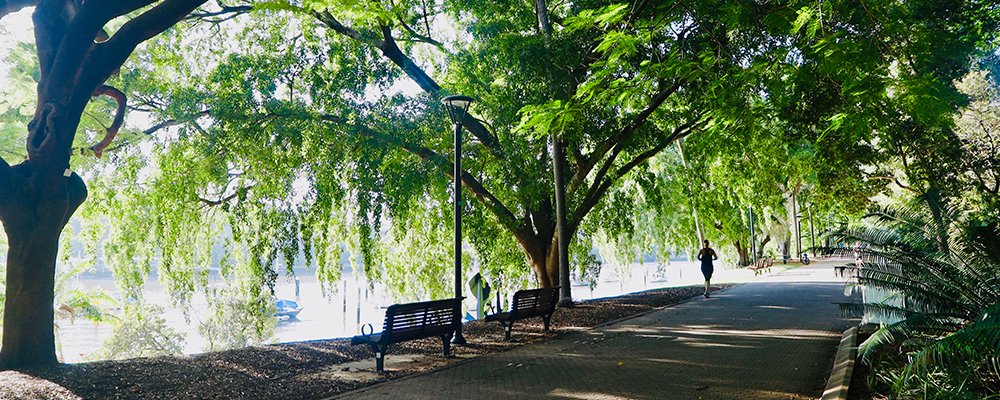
33	217
38	196
541	246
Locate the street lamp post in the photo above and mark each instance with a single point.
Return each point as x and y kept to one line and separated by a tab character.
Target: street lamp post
753	239
457	107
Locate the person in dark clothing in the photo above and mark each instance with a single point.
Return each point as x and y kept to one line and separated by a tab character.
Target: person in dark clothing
706	255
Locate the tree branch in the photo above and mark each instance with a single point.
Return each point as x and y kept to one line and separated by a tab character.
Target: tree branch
542	15
895	180
148	131
4	171
476	187
331	22
232	11
66	32
616	143
7	186
392	51
110	55
601	187
174	122
116	124
678	133
117	8
212	203
417	37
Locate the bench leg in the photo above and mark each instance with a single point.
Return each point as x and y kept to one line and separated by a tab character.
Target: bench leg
446	339
546	319
379	357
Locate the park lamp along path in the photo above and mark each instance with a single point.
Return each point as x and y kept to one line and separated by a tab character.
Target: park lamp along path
458	108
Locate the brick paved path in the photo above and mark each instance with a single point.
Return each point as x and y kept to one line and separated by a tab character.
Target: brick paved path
771	339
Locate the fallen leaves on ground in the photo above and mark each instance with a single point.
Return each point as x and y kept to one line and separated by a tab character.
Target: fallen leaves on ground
303	370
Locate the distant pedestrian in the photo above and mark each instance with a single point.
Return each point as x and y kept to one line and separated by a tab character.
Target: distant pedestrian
706	255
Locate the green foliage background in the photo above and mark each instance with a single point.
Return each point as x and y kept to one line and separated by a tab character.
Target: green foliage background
285	135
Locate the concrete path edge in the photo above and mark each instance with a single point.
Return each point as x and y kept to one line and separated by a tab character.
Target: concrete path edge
839	383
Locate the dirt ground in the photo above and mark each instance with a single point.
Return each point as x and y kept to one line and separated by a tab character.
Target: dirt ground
305	370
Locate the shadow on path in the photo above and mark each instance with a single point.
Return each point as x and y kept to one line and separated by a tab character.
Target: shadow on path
773	339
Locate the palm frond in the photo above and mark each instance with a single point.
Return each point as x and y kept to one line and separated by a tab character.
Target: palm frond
917	324
967	349
947	283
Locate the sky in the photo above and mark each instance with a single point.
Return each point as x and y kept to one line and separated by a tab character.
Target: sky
14	28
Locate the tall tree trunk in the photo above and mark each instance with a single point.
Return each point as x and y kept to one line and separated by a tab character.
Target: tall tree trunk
561	240
562	236
38	196
552	268
541	255
935	203
38	205
760	250
742	253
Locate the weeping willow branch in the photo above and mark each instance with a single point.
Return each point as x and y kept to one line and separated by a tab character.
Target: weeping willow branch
222	200
417	37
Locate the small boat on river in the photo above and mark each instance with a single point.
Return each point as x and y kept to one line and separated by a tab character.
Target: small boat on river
287	309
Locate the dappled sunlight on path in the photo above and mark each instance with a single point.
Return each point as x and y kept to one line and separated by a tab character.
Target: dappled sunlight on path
772	339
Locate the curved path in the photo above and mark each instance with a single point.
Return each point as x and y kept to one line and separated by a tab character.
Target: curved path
771	339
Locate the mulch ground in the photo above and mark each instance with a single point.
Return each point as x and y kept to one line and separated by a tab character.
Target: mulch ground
303	370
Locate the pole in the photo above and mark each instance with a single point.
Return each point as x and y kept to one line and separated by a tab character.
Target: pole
795	220
565	296
458	339
812	231
798	230
753	240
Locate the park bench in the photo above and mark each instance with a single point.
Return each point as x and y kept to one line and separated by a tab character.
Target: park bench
528	304
411	321
762	265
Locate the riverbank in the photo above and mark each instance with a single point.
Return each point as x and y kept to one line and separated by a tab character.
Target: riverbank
305	370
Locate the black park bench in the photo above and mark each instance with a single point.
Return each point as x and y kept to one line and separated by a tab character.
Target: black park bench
411	321
528	304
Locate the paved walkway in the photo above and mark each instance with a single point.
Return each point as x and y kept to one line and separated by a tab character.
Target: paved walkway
771	339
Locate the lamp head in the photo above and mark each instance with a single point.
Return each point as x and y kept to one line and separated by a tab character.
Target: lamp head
457	106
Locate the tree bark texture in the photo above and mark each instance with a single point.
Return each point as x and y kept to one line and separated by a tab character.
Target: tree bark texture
40	205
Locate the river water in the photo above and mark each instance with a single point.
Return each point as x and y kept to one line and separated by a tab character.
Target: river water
341	314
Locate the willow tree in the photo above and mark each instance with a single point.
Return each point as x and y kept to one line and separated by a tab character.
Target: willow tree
38	196
614	84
